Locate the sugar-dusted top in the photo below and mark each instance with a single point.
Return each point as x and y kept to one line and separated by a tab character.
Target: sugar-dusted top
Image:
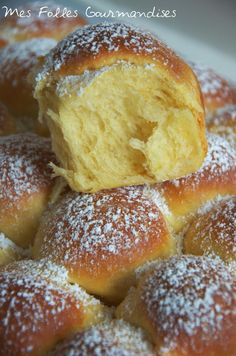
218	167
115	338
40	23
17	59
191	303
24	167
214	87
102	231
223	123
94	46
215	231
36	310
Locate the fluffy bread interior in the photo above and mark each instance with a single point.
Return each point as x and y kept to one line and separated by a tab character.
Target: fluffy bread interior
122	125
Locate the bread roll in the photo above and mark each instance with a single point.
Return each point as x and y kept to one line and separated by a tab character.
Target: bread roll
101	238
213	231
116	338
10	252
25	184
217	91
216	177
39	24
122	108
7	123
188	306
38	307
223	123
16	62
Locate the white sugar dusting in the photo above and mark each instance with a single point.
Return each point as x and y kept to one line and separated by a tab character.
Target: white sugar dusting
92	40
22	56
188	296
113	338
220	160
31	296
97	226
72	84
218	230
223	123
211	83
24	169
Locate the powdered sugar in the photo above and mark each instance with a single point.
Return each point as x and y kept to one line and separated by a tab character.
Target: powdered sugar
215	232
93	40
31	302
188	297
115	338
211	83
24	169
223	123
22	56
220	160
92	228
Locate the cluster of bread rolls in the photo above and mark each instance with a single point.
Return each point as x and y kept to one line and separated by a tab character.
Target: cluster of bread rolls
117	230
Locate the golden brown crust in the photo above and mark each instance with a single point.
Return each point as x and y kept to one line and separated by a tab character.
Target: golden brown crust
15	29
217	92
7	123
217	176
16	62
25	184
35	310
213	231
110	338
96	46
188	305
101	238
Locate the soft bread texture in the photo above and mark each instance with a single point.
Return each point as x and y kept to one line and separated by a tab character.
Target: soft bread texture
10	252
25	184
102	238
216	178
116	338
14	28
223	123
188	306
213	231
41	307
217	91
122	109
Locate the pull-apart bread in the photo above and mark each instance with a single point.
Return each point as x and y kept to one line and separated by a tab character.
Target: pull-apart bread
122	109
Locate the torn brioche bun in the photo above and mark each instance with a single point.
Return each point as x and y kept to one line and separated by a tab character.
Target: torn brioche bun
123	109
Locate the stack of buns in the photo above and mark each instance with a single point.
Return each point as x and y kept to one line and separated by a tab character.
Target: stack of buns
117	231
